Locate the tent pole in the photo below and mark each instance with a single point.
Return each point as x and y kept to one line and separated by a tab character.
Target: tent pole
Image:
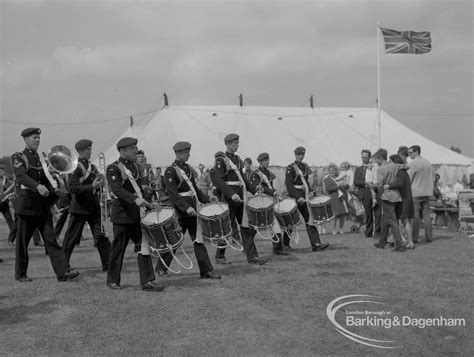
379	120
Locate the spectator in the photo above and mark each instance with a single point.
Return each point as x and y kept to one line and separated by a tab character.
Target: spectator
203	180
390	197
404	211
338	201
421	177
247	168
346	175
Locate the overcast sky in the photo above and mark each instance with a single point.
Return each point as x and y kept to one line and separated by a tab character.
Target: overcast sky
67	62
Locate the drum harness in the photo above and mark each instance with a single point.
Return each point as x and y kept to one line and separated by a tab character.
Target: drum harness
306	191
132	180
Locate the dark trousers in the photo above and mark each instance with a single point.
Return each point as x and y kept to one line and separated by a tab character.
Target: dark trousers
390	221
422	208
5	209
373	222
122	234
73	236
189	224
247	234
283	239
313	233
12	235
58	227
26	225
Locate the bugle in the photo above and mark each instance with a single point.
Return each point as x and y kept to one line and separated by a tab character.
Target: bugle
103	195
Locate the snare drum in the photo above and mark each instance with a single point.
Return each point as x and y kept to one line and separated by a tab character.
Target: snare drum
162	229
260	212
287	214
321	209
215	222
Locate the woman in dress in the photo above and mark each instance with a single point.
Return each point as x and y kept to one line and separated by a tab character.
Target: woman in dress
336	190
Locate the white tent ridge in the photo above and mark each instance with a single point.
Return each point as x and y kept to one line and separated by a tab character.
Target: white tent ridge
328	134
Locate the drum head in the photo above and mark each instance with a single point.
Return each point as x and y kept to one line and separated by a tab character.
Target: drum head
285	205
213	209
156	217
260	202
319	200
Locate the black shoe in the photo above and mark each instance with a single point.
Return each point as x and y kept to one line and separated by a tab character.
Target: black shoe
390	244
151	286
257	261
280	252
114	286
69	275
377	245
24	279
222	261
287	248
399	249
210	275
1	260
318	247
429	240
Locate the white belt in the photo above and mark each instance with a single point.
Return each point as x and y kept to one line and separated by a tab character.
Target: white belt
299	187
233	183
186	194
23	187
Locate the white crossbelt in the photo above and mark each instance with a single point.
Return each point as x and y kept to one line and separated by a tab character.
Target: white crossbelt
233	183
186	194
299	187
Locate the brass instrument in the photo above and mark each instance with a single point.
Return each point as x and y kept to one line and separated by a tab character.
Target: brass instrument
103	195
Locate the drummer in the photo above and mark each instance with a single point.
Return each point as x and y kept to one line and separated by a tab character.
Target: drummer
228	179
297	184
185	197
262	180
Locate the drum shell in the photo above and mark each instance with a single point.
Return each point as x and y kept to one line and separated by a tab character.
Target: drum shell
321	211
162	234
260	217
289	219
217	226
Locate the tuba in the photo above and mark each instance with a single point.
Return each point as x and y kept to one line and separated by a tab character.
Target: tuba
60	161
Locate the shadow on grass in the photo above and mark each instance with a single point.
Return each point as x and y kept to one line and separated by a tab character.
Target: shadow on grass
19	314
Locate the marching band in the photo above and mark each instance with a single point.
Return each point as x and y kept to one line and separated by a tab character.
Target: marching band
243	204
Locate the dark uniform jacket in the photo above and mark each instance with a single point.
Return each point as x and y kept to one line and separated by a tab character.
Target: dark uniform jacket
223	172
292	178
175	184
256	180
84	198
29	174
123	208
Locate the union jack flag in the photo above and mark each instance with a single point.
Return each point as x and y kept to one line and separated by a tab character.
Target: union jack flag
406	41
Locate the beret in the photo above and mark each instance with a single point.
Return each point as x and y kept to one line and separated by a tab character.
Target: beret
231	137
263	156
127	141
30	131
219	154
300	150
83	144
181	146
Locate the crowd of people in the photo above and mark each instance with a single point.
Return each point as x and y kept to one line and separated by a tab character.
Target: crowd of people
388	196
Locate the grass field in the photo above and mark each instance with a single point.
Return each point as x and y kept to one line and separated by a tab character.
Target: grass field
278	309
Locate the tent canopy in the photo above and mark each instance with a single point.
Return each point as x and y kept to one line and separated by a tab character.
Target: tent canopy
328	134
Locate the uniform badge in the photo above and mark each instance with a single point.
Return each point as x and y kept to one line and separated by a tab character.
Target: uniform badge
113	177
171	180
17	163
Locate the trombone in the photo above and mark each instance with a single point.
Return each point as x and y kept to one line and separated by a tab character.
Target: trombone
103	195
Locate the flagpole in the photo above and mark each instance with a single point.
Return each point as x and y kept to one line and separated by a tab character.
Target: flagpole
379	121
